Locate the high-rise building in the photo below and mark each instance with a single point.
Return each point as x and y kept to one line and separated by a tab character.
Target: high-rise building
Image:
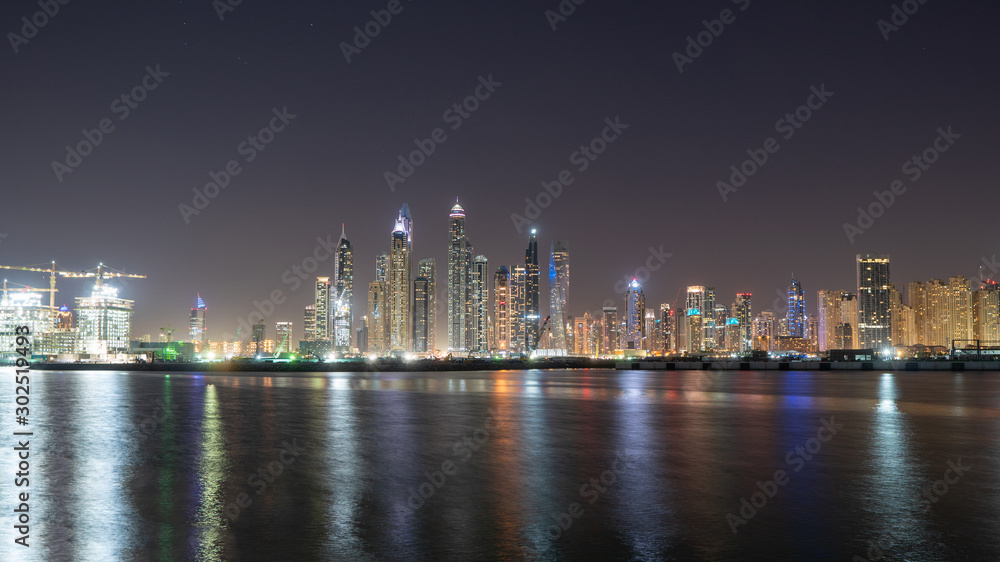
960	311
501	309
743	312
764	331
653	340
610	339
104	321
382	268
421	309
795	316
558	292
531	309
667	328
343	298
427	268
323	318
258	336
828	313
874	315
581	335
635	307
198	324
987	314
916	299
309	323
378	318
26	309
459	281
283	337
708	319
848	329
720	317
518	306
693	328
400	283
902	316
479	285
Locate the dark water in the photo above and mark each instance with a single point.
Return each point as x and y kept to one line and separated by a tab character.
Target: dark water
504	457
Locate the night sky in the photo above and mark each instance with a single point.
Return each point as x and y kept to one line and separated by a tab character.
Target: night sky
655	186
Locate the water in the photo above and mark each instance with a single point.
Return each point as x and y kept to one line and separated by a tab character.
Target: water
154	466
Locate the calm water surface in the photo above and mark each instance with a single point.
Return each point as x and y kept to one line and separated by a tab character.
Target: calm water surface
509	466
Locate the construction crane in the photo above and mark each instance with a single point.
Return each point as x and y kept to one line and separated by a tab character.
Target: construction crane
24	289
101	273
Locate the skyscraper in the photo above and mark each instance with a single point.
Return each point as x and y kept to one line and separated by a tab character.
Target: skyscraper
400	284
742	311
916	298
874	319
828	313
610	326
635	308
459	279
987	314
501	309
795	316
517	309
480	295
309	323
420	314
198	324
343	315
104	321
558	292
531	310
378	318
382	268
282	337
667	328
847	330
323	319
695	309
427	268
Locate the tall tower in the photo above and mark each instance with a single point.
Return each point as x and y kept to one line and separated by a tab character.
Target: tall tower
517	308
742	311
198	324
558	292
874	320
343	317
693	314
795	316
378	318
501	309
459	277
323	319
480	292
427	268
531	310
420	314
635	309
609	323
400	284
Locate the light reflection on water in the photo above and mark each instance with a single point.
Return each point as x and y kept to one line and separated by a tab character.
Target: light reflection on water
106	486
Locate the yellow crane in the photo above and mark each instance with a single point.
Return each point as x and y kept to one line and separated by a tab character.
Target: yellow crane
100	273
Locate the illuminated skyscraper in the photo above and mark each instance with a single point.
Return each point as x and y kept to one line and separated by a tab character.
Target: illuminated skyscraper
400	284
558	292
960	310
459	281
795	316
420	315
610	336
517	309
916	298
198	324
480	294
874	320
693	329
323	319
667	328
742	311
104	321
581	335
501	309
343	299
987	314
531	309
382	268
378	318
635	308
427	268
828	314
309	323
847	330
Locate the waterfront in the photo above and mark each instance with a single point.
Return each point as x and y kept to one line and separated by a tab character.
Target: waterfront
488	465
